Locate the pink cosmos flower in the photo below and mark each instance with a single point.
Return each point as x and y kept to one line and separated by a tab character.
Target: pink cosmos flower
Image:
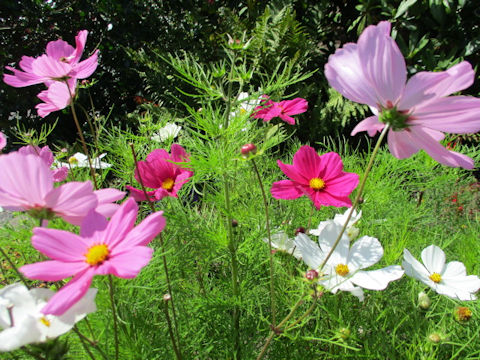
3	140
269	109
319	177
60	62
419	110
47	156
160	172
103	247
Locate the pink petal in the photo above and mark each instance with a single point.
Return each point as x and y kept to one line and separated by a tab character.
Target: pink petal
147	174
178	153
331	166
80	41
92	224
107	210
3	140
121	223
59	49
70	294
425	139
420	88
50	68
401	144
21	79
329	199
286	189
295	106
109	195
342	185
138	194
180	180
292	173
26	63
345	74
288	119
87	67
52	270
370	125
60	175
144	232
59	244
127	264
382	63
307	162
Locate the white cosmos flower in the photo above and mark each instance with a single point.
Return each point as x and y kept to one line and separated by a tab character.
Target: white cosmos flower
446	279
246	106
81	160
344	270
169	131
351	230
23	322
283	243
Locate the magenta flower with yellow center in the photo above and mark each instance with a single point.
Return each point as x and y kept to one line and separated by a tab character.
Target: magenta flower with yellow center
373	72
116	247
283	109
321	178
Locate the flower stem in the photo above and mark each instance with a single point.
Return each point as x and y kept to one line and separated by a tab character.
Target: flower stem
267	220
359	193
91	342
176	348
170	332
14	267
114	314
82	139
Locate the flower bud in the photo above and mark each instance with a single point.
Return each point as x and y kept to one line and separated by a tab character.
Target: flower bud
300	229
234	223
435	338
311	274
462	314
167	297
248	149
344	333
424	301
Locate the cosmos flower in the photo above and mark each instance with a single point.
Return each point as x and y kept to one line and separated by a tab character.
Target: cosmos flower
321	178
81	160
116	247
160	172
283	109
281	242
24	323
57	97
245	106
373	72
446	279
169	131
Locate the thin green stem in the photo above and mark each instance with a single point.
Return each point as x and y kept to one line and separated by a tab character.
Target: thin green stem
114	314
164	259
82	139
91	342
267	220
84	344
170	332
14	267
359	193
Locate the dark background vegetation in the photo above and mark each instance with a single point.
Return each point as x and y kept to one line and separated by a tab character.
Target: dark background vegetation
433	35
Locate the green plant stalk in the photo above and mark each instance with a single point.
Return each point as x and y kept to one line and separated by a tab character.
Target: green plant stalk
91	342
176	348
82	139
114	314
20	275
170	332
359	193
267	220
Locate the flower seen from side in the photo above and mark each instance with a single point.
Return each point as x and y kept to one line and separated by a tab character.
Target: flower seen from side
115	247
246	106
24	323
281	242
160	171
169	131
81	160
446	279
321	178
373	72
269	109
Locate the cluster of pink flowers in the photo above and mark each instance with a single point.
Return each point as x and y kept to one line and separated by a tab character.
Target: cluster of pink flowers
59	68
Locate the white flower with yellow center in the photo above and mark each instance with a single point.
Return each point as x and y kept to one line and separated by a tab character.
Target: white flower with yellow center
446	279
169	131
81	160
245	107
281	242
344	269
23	322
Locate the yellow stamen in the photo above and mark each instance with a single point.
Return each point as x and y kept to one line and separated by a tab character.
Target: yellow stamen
97	254
342	269
317	184
435	277
72	160
168	183
45	321
242	111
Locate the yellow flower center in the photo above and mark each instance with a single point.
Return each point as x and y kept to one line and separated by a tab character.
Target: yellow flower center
435	277
73	160
342	269
45	321
97	254
168	183
242	111
464	313
317	184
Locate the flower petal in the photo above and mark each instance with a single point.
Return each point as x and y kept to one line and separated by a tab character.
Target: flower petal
366	252
307	162
434	259
377	279
401	144
144	232
312	255
286	189
121	223
415	269
127	264
86	67
370	125
59	244
292	173
52	270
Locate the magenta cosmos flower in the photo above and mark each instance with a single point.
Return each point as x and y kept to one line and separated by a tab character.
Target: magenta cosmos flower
3	140
160	172
60	62
373	72
319	177
46	155
103	247
283	109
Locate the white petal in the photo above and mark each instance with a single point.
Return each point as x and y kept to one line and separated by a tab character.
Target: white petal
415	269
21	334
327	239
311	253
454	269
366	252
377	279
434	259
358	292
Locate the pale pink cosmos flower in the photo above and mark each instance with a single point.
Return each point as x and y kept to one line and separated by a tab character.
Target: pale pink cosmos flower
57	97
373	72
46	155
283	109
160	172
60	62
103	247
3	140
321	178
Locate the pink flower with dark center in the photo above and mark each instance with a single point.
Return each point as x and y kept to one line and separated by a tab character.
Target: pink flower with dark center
47	156
60	62
3	140
115	247
160	172
283	109
321	178
373	72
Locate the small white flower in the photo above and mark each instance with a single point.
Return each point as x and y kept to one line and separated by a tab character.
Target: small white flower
24	323
340	219
81	160
344	269
169	131
246	106
283	243
446	279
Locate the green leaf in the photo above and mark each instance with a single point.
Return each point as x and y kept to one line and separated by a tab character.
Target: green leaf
403	7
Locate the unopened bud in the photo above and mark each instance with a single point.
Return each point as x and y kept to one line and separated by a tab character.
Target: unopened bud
462	314
167	297
344	333
300	229
424	301
311	274
435	338
248	149
234	223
